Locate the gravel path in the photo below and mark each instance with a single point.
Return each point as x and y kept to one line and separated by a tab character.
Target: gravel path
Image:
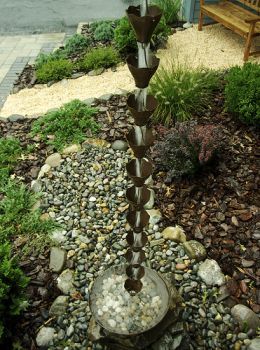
214	47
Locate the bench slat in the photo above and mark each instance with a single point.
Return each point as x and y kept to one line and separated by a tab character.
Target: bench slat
253	4
232	16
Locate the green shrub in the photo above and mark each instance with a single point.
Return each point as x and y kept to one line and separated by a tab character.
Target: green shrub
10	150
104	32
76	44
170	9
182	92
72	123
103	57
242	93
12	290
54	70
44	58
125	40
187	148
17	216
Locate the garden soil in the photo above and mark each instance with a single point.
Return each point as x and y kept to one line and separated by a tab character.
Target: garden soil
215	47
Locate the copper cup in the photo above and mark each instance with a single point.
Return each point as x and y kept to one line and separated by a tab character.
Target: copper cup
146	169
132	217
133	286
138	202
136	240
147	141
142	76
144	26
142	117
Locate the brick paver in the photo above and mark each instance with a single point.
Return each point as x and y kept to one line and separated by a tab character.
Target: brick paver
16	51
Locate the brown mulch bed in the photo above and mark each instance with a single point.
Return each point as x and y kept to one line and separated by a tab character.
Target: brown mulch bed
219	207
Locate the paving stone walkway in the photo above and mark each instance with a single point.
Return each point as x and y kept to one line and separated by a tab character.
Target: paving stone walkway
16	51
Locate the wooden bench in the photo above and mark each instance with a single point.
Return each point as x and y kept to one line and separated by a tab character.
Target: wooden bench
235	17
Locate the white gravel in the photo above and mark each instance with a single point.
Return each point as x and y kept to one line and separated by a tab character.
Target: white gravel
215	47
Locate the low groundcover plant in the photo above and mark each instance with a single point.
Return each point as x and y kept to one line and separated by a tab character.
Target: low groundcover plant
187	148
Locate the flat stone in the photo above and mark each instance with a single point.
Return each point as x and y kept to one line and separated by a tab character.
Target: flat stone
120	145
195	250
3	119
77	75
234	221
105	97
36	186
45	336
57	259
210	273
255	344
174	233
155	242
65	282
96	72
59	306
150	203
15	118
44	170
247	263
58	236
71	149
89	101
53	160
246	318
155	216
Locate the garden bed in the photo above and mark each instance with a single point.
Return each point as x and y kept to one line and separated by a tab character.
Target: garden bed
219	207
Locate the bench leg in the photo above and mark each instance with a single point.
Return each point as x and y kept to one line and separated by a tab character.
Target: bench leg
249	42
200	20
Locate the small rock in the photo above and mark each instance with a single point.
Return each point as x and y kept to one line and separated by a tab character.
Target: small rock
45	336
187	25
155	216
53	160
210	273
71	149
195	250
57	259
120	145
234	221
36	186
70	331
65	282
96	72
105	97
44	170
59	306
220	216
15	118
89	101
247	263
77	75
246	318
174	233
58	236
255	344
155	242
245	216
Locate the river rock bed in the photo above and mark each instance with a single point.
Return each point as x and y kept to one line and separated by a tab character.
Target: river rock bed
85	193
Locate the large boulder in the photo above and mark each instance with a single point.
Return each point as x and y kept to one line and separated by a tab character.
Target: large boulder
245	317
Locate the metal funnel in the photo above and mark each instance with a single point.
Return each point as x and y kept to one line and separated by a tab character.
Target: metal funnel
142	76
138	200
147	141
144	26
133	286
138	225
141	117
138	176
135	258
136	240
135	273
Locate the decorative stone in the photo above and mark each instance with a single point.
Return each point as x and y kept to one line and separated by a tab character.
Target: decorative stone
96	72
44	170
195	250
155	216
45	336
15	118
255	344
120	145
155	242
65	282
234	221
71	149
89	101
150	203
58	236
53	160
105	97
57	259
59	306
36	186
174	233
245	317
210	273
